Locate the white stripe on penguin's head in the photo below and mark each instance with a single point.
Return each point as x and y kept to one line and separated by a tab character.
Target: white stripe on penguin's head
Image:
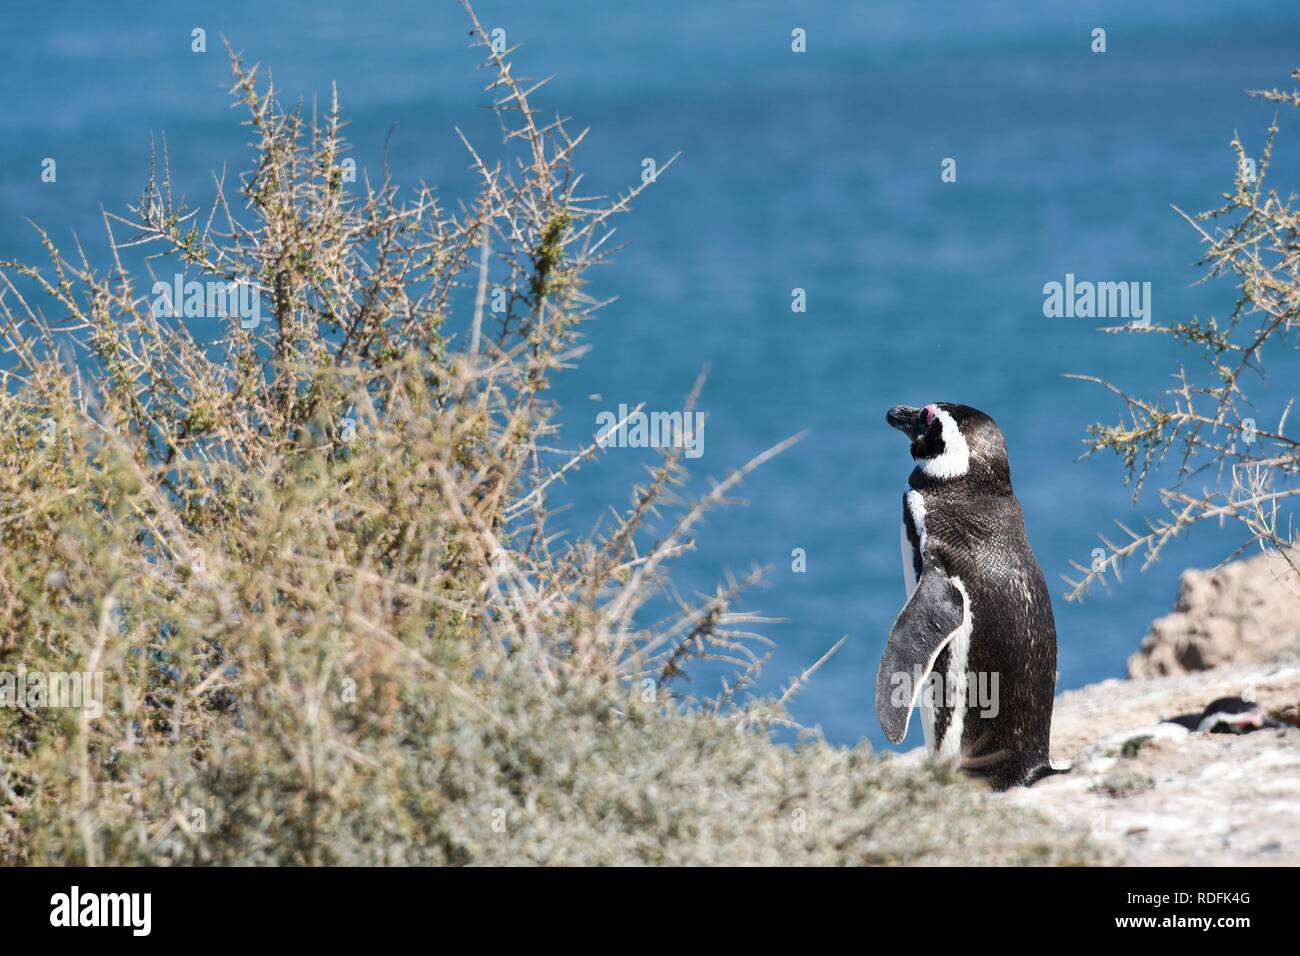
954	460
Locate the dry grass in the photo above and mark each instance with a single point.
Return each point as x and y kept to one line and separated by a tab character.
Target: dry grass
313	560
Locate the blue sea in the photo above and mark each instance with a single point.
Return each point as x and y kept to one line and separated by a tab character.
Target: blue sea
817	170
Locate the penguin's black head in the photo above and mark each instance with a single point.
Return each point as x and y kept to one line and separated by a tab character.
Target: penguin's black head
949	440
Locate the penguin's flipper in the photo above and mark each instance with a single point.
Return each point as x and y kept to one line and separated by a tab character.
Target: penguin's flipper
932	616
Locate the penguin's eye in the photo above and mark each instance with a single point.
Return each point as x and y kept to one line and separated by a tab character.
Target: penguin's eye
930	415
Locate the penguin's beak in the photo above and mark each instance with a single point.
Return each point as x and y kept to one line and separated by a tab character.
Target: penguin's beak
908	420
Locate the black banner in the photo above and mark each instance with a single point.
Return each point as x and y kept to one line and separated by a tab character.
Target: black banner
335	906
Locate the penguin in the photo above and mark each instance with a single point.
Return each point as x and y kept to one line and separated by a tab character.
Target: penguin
1227	715
975	644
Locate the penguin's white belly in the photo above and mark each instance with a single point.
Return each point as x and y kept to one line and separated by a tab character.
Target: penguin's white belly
927	725
909	569
955	685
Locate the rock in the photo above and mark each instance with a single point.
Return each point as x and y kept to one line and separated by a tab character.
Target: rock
1243	612
1104	754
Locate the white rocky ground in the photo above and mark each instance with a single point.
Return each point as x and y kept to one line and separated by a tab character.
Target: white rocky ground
1158	795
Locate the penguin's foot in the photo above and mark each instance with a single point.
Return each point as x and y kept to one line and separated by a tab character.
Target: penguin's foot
1049	769
1003	776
